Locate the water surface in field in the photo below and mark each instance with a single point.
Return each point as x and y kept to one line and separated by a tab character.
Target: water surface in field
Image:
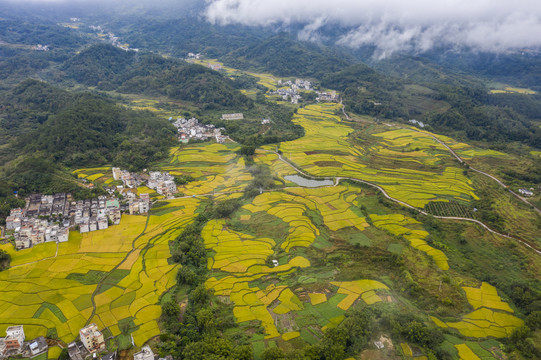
299	180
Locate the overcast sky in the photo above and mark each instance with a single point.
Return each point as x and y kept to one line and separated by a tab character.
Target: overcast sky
390	25
394	25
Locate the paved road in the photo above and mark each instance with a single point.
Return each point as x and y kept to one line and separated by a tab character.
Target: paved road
344	111
338	179
501	183
478	171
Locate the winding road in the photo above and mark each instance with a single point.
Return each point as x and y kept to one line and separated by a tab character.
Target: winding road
338	179
462	161
478	171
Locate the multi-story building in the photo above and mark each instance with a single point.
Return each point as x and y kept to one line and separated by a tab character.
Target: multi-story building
75	352
15	337
92	338
236	116
163	183
2	347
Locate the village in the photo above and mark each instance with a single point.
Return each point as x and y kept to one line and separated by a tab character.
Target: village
91	344
50	218
290	91
115	40
191	129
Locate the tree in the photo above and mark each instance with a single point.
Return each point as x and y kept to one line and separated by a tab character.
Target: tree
247	150
199	296
205	320
187	276
243	352
533	321
170	310
273	353
5	259
419	333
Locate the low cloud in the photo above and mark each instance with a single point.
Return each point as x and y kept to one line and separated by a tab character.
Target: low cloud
397	25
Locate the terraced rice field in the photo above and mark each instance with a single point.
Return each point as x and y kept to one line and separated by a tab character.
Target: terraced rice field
215	167
509	90
240	270
103	174
330	202
396	225
409	165
243	257
366	289
124	269
491	317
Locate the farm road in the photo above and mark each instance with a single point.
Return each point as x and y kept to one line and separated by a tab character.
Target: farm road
462	161
338	179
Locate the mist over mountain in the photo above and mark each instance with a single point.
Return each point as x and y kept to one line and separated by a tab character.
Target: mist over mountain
396	26
389	26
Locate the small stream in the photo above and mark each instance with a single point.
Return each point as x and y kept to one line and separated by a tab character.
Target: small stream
299	180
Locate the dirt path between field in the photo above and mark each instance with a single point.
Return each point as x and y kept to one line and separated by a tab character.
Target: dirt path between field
344	111
37	261
100	283
338	179
462	161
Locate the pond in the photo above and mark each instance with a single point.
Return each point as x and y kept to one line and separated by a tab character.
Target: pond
299	180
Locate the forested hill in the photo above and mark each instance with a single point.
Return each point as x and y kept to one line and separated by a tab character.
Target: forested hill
110	68
80	129
450	104
45	33
197	36
283	56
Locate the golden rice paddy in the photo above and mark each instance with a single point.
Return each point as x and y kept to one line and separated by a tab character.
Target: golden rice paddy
65	282
326	150
491	316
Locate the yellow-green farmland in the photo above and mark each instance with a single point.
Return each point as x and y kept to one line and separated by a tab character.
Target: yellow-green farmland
110	277
289	262
491	317
411	166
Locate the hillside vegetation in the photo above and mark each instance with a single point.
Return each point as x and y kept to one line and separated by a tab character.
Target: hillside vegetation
110	68
283	56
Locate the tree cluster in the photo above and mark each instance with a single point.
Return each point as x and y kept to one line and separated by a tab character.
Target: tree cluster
5	260
110	68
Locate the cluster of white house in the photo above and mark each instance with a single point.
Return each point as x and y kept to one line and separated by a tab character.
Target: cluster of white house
129	179
47	218
194	56
216	67
287	94
326	96
115	40
162	182
91	342
526	192
297	84
191	129
95	214
234	116
291	92
40	47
